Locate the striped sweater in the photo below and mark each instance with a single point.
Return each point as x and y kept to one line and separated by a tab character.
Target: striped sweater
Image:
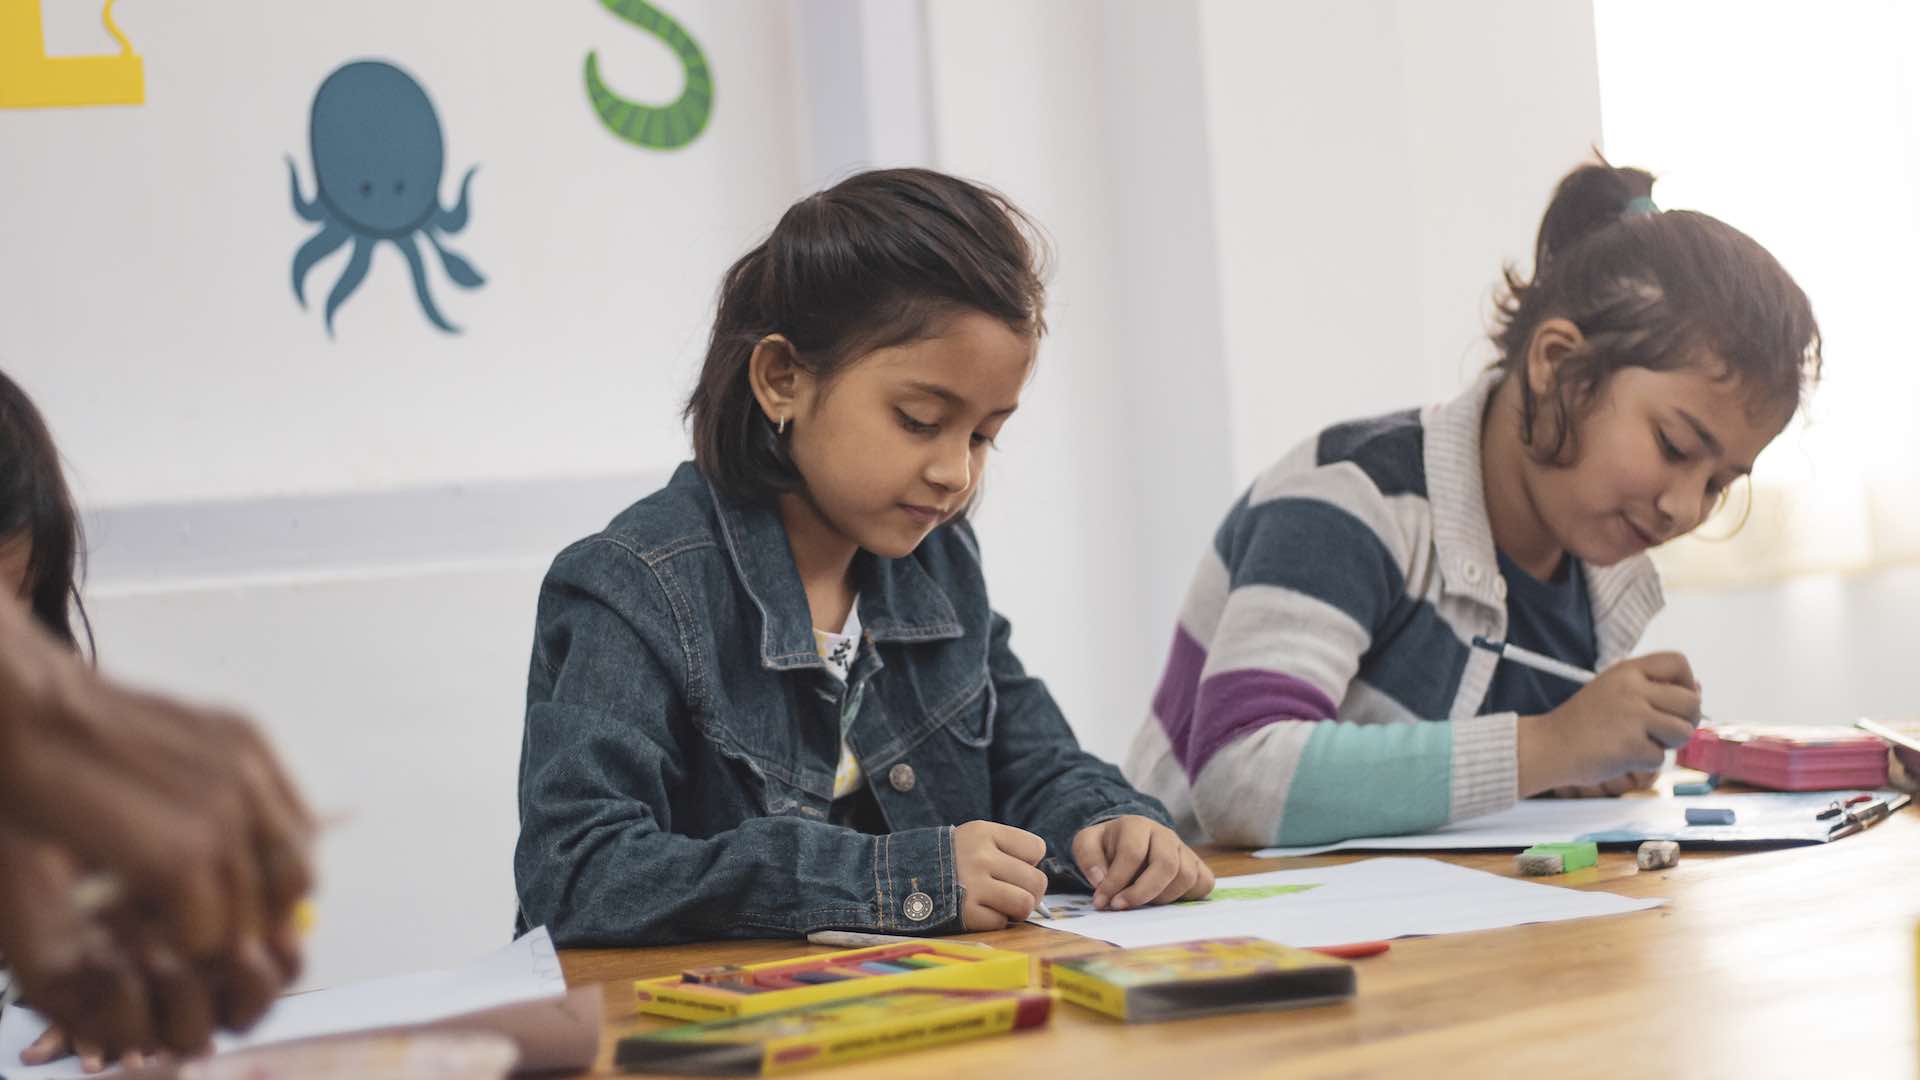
1320	685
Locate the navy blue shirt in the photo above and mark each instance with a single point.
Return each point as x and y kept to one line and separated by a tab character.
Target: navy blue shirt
1553	617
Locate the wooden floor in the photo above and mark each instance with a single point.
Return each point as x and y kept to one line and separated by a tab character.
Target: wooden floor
1796	962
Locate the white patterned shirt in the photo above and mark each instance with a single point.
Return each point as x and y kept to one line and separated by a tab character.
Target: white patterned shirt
837	652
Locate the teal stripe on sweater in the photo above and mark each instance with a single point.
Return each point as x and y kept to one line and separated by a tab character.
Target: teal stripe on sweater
1369	780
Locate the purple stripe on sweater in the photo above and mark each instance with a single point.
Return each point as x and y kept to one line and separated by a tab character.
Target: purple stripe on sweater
1173	701
1236	703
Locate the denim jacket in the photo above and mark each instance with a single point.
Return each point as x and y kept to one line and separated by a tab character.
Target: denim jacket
677	767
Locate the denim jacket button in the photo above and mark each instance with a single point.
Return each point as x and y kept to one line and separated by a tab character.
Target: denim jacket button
901	777
917	906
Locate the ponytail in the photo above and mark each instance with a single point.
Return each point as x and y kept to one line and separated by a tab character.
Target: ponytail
1653	289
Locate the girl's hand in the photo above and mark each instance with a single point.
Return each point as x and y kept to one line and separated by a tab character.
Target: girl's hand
1638	780
1623	721
999	870
52	1045
1134	861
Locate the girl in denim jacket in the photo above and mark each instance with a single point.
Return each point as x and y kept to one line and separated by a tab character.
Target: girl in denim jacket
772	697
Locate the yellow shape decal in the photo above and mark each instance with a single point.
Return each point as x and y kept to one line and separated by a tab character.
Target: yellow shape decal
30	79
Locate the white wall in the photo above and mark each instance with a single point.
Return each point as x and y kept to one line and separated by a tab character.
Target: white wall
393	698
1091	115
1812	650
1375	162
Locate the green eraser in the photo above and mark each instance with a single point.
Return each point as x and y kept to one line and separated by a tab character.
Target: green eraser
1574	856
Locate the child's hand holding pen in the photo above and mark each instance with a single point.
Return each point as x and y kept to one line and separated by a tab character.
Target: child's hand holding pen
999	872
1623	721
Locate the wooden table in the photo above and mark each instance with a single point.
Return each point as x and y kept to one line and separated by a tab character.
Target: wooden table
1794	962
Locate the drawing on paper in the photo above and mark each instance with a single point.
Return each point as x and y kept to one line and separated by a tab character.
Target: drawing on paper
1077	906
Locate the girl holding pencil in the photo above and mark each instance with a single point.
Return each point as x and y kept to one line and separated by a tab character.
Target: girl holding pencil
1322	683
773	697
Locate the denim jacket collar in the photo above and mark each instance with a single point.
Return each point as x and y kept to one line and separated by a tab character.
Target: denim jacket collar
899	600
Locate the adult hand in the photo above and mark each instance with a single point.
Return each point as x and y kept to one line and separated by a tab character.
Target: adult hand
186	817
53	1044
78	970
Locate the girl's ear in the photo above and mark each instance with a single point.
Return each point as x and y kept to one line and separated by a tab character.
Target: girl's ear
779	381
1553	340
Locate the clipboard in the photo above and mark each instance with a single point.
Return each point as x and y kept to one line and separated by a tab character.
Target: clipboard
1763	819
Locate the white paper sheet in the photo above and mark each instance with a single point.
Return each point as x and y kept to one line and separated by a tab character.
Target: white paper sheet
1759	818
1370	900
528	970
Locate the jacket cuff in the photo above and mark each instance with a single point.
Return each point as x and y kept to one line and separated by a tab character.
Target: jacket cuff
916	883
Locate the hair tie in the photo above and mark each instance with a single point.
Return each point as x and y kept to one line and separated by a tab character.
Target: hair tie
1639	204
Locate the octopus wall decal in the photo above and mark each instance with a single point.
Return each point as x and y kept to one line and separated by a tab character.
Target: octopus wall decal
378	155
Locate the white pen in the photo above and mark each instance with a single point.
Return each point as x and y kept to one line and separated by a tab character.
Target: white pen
1537	661
1525	657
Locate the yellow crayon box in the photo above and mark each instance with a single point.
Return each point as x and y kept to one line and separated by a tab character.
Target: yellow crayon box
1196	978
833	1032
718	993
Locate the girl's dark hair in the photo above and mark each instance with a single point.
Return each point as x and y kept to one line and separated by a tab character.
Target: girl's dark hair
1652	289
878	260
35	504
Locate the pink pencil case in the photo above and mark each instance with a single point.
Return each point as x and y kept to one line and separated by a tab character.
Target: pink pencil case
1789	758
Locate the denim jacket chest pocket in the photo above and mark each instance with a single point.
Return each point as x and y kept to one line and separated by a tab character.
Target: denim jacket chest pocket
792	762
936	686
924	734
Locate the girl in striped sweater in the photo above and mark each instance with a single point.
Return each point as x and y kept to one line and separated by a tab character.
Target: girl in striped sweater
1321	684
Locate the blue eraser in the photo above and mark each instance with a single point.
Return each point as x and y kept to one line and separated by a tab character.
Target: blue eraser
1709	815
1701	788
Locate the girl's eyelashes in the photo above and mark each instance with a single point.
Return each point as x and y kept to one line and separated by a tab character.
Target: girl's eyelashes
1716	486
913	425
917	426
1667	449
